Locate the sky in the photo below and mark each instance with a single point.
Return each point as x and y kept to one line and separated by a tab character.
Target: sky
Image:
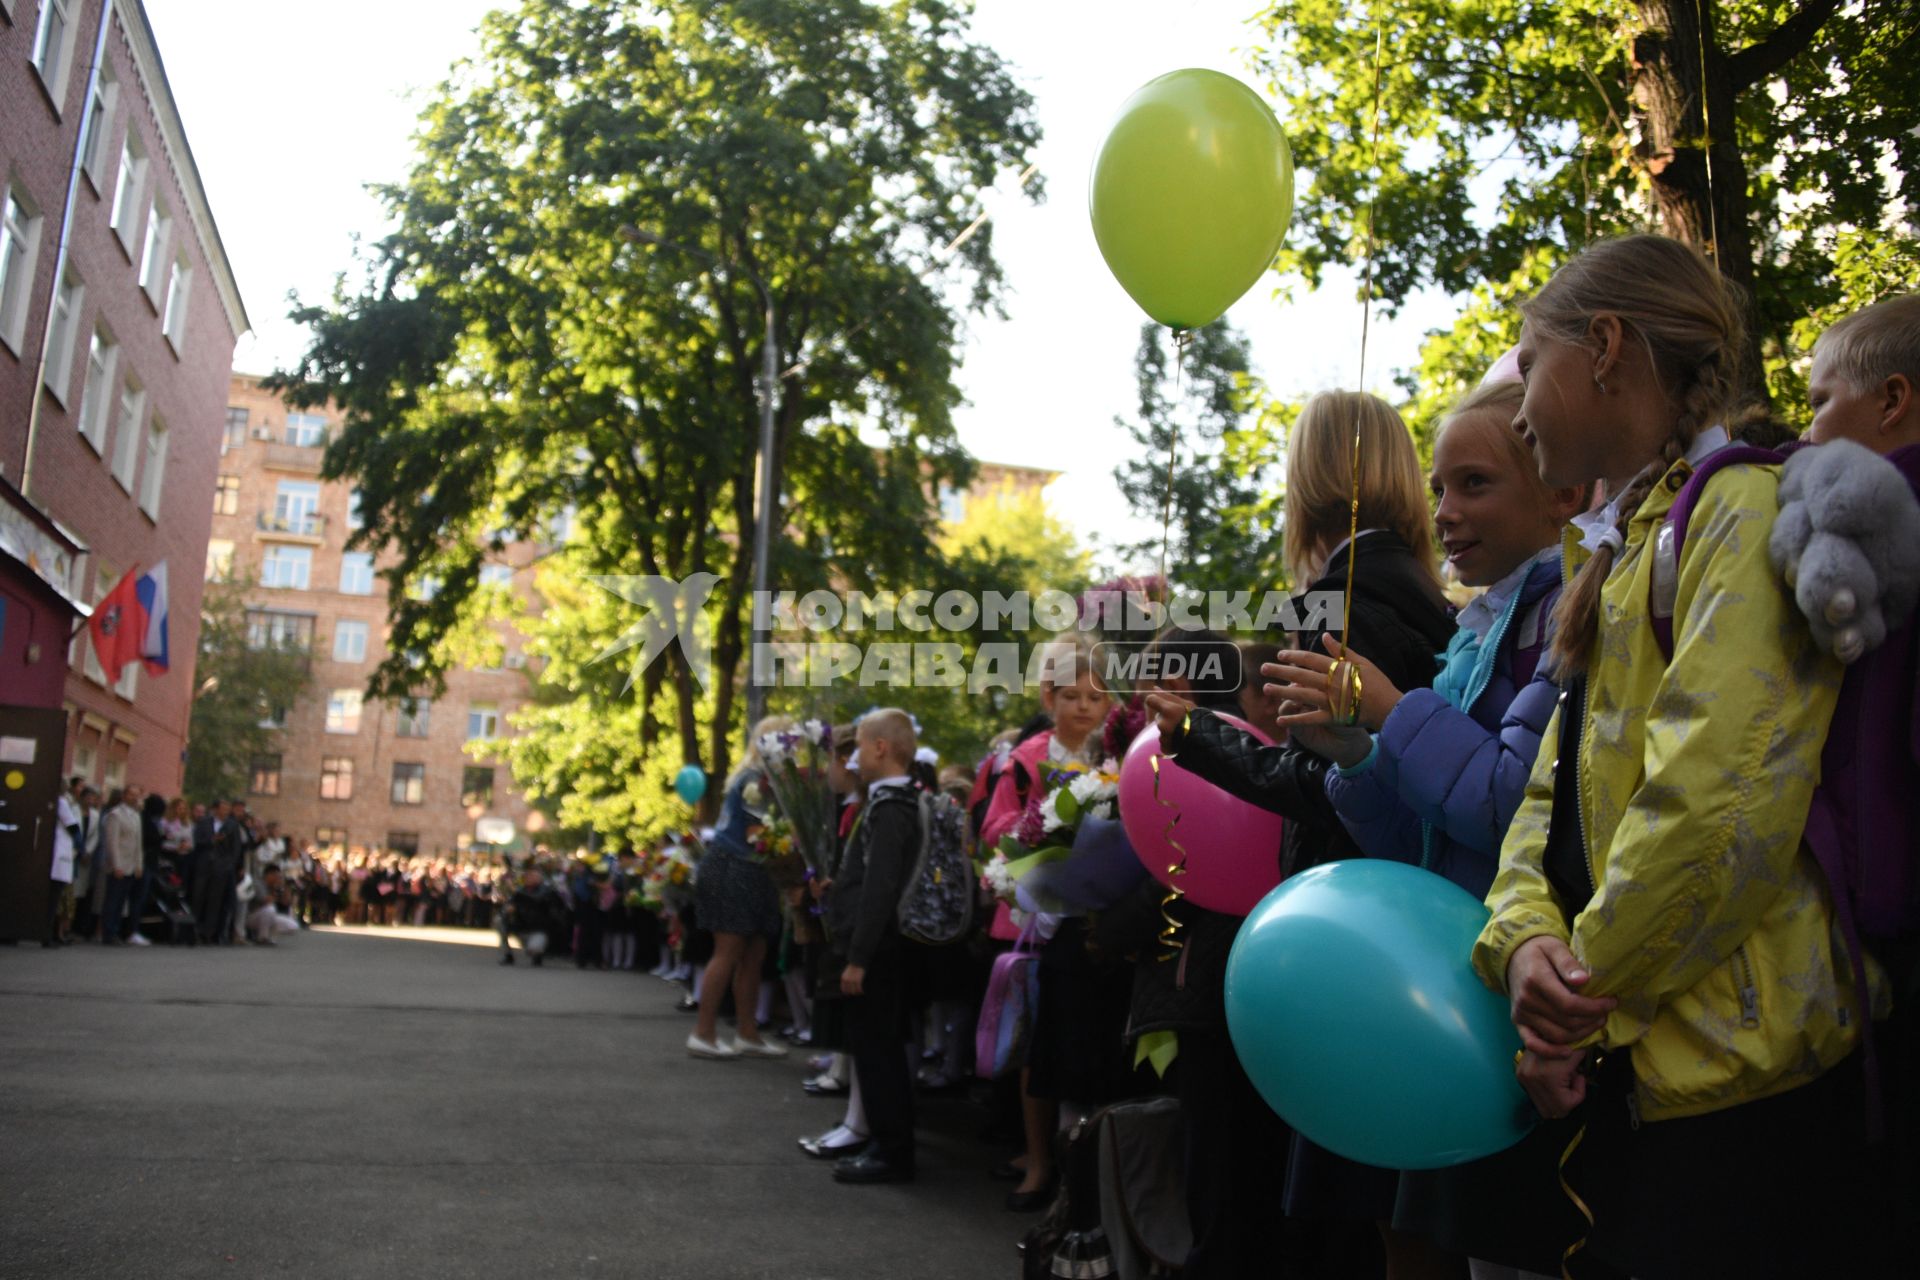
293	110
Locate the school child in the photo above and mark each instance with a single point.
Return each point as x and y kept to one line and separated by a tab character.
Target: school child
1432	776
1401	620
1666	940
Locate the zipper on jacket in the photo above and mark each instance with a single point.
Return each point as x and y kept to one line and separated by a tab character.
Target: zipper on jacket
1749	993
1633	1107
1579	790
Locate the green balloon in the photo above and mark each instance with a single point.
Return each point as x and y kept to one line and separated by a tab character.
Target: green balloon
1190	195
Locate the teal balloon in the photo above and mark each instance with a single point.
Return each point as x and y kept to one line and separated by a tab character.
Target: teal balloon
690	783
1190	195
1356	1013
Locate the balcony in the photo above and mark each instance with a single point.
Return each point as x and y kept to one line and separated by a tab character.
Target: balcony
295	457
309	528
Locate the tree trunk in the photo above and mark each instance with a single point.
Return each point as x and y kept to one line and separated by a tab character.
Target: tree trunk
1692	157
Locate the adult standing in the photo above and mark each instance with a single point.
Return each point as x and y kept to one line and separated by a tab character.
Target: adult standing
207	827
66	838
737	903
863	908
122	859
153	847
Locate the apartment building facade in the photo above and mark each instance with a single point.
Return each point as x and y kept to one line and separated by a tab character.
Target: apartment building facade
347	769
118	318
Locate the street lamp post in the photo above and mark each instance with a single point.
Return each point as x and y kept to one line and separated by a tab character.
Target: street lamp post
767	384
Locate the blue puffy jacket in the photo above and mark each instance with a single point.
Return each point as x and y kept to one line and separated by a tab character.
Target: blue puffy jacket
1443	783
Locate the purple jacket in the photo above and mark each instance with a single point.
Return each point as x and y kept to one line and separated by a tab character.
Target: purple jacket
1460	773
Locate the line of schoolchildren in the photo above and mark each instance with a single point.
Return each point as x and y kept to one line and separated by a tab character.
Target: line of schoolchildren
1692	825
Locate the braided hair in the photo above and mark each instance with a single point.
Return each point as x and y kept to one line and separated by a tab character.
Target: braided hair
1690	320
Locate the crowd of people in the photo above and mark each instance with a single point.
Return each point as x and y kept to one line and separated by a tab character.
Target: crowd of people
1636	744
1630	742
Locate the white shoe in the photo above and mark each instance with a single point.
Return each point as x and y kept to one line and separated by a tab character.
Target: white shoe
711	1049
757	1049
138	941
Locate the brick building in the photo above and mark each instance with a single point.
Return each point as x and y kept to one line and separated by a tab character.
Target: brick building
118	319
348	769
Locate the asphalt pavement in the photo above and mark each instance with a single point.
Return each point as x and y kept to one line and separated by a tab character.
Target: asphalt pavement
388	1104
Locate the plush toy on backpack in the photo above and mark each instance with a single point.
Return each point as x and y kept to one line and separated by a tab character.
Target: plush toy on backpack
1848	542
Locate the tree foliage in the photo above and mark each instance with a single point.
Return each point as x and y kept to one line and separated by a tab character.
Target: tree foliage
1204	404
567	318
1513	132
243	688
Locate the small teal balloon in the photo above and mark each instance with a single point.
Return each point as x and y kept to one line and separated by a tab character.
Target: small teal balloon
690	783
1355	1009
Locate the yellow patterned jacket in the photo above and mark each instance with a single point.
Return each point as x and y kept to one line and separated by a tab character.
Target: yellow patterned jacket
1710	922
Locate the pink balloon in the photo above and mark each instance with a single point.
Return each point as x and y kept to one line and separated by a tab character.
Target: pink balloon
1233	848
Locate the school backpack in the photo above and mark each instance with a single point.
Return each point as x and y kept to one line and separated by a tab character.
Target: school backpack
936	907
1859	826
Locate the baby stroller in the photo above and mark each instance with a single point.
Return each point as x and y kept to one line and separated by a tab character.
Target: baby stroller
169	918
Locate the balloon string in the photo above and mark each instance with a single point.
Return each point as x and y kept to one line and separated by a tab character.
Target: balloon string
1706	128
1170	936
1345	676
1182	339
1566	1259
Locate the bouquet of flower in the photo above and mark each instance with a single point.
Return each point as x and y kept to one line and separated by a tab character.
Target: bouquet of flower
668	880
775	848
795	766
1069	794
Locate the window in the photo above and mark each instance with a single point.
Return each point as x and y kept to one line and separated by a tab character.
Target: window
236	435
354	519
96	400
173	314
330	837
409	784
496	575
153	480
425	587
128	685
415	714
219	559
265	776
405	843
116	777
19	252
287	567
86	761
267	629
153	259
133	412
61	330
272	717
93	153
349	642
356	573
127	190
343	711
483	720
953	504
295	504
226	496
476	786
336	777
52	42
307	429
103	581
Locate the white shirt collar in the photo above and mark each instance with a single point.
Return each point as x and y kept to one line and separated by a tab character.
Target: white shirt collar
1485	609
1597	528
897	780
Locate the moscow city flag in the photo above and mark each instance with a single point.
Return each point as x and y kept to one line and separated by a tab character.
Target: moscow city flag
130	623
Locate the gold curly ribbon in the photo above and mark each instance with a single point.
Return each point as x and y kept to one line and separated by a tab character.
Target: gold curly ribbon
1170	936
1344	677
1566	1259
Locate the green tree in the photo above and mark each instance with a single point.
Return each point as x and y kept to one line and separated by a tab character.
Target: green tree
1778	135
568	314
1223	519
246	683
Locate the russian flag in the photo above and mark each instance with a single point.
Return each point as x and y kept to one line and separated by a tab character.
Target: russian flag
151	592
130	623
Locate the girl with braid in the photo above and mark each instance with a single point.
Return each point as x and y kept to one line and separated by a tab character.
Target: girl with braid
1665	938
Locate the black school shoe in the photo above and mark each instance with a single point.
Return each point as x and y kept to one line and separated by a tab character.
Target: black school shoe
867	1170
